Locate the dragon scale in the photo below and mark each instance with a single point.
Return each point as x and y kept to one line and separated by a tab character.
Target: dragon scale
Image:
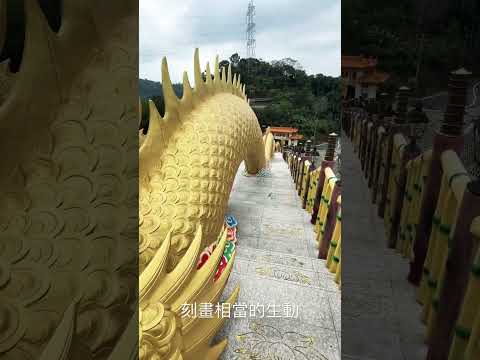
189	159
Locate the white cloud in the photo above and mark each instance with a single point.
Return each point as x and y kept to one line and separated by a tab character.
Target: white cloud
306	30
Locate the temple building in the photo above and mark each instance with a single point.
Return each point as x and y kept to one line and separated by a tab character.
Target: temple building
285	135
360	77
294	139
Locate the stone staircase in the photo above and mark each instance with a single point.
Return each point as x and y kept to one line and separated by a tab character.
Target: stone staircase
295	301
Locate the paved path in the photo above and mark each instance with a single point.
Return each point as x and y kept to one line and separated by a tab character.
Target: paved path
376	293
276	265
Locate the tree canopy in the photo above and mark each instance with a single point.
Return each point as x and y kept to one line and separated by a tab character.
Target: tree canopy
392	32
309	102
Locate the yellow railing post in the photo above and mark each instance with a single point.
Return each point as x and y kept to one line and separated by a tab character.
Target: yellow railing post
303	176
326	214
467	336
306	186
386	168
301	169
362	139
372	152
416	174
471	303
395	182
298	166
455	276
365	142
314	176
450	136
378	167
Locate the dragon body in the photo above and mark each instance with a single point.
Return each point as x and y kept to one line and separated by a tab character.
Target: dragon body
189	159
188	162
67	259
69	209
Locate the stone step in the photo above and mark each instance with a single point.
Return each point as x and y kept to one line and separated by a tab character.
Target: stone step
276	265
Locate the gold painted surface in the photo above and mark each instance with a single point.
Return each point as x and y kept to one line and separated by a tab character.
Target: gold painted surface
189	159
65	283
269	144
58	243
188	162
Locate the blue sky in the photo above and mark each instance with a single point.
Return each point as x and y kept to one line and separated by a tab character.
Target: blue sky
305	30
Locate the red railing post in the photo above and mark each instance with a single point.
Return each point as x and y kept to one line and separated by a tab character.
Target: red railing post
330	222
329	161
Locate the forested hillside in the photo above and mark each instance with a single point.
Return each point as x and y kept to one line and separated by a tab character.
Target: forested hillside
309	102
393	32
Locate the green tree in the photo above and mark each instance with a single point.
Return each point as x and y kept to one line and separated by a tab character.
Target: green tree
235	59
308	102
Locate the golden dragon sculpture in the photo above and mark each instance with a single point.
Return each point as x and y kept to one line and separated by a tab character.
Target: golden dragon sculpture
70	218
68	257
188	162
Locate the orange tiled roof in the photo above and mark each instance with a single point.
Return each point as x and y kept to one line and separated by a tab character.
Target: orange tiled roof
358	62
376	77
296	137
284	130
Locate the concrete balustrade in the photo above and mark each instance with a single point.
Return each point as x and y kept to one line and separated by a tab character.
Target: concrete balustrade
319	191
431	210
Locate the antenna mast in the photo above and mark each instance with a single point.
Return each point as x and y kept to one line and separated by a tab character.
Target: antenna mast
251	42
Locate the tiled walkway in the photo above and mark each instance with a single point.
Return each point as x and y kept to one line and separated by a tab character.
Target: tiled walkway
376	293
276	266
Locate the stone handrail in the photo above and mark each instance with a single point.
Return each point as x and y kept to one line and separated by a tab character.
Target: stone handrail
401	182
319	191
